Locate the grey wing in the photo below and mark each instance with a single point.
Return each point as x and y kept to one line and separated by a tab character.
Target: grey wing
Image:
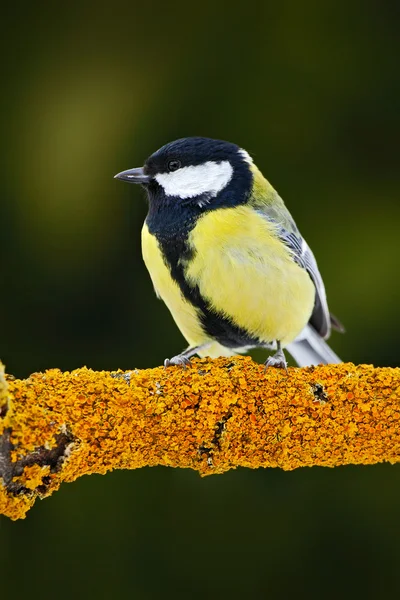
320	318
277	213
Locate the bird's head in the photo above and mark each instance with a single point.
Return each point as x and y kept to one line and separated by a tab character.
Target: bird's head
195	174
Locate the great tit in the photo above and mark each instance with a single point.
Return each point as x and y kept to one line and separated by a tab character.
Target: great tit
227	258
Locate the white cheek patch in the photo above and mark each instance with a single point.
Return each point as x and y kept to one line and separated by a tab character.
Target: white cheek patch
188	182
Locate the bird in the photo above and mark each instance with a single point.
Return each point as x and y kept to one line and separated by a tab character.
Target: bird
225	255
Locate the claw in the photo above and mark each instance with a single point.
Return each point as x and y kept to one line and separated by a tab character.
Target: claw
179	360
278	361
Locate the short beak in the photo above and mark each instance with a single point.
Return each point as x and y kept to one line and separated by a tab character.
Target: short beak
133	176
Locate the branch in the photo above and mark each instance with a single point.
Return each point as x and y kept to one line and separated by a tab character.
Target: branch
218	415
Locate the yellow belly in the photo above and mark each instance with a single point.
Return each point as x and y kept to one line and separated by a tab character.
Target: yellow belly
243	271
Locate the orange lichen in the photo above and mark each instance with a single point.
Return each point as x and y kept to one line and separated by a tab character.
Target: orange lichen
215	416
32	477
4	395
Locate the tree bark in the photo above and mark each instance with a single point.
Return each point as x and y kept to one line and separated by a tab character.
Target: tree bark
218	415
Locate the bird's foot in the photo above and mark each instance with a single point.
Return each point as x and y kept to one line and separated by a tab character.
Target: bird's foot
178	360
278	360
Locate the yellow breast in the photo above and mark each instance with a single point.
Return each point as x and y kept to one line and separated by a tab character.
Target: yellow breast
243	270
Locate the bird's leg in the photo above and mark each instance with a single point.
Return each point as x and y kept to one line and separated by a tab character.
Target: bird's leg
278	359
184	357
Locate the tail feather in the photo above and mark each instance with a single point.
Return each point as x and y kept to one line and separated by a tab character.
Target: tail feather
311	349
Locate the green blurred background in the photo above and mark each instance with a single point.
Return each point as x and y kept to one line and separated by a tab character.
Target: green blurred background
311	90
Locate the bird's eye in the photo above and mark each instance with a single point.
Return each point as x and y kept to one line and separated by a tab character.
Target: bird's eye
174	165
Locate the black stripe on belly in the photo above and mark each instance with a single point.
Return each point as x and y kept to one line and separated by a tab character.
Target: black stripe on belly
175	253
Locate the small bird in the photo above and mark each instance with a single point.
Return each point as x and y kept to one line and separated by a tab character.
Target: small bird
227	258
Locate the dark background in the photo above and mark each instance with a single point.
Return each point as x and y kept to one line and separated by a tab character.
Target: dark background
310	89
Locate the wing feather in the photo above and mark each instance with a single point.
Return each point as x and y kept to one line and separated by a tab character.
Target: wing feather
302	254
270	205
288	232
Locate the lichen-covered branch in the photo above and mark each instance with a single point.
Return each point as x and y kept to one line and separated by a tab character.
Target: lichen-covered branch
218	415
